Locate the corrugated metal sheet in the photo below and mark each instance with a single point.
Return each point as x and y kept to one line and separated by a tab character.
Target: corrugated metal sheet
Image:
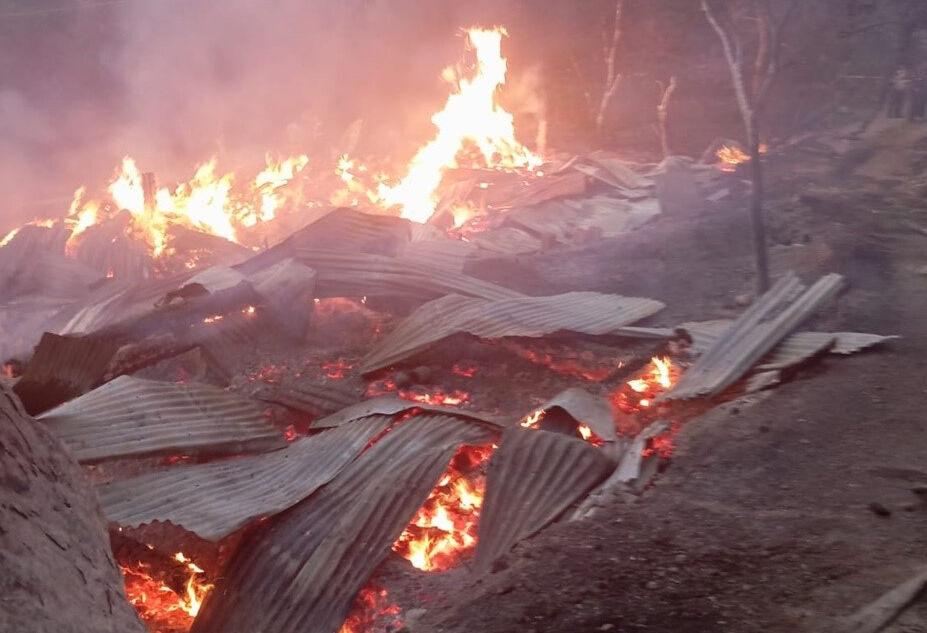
300	571
445	255
358	274
795	349
507	240
390	405
533	477
313	398
761	327
63	367
852	342
585	312
215	499
131	416
587	409
343	230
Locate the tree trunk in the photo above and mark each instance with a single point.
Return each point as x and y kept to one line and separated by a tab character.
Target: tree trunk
57	573
756	207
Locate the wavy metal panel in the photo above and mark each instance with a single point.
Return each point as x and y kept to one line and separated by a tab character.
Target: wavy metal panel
758	330
63	367
585	312
300	571
131	416
358	274
585	408
391	404
794	349
445	255
533	477
213	500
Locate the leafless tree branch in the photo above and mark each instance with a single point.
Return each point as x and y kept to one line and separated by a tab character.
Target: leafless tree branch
612	77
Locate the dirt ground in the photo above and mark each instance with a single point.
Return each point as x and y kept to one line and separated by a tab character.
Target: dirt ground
766	518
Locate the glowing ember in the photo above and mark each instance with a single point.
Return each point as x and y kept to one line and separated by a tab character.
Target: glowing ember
659	376
467	371
336	369
161	608
453	399
372	610
444	530
471	117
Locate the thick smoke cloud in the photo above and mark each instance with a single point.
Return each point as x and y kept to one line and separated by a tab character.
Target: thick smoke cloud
173	82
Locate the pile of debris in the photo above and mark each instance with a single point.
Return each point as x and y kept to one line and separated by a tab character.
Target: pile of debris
163	389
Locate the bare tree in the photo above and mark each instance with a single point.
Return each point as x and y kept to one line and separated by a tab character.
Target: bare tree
733	21
663	113
612	76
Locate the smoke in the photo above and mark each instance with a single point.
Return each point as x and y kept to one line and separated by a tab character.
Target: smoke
174	82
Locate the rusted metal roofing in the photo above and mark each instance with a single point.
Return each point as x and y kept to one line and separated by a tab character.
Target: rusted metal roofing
63	367
358	274
585	312
390	404
758	330
300	571
215	499
533	477
132	416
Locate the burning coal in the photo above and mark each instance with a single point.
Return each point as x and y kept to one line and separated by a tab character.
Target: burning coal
162	608
444	530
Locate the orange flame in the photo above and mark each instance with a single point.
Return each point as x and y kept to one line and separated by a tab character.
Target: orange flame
159	606
444	529
660	375
471	115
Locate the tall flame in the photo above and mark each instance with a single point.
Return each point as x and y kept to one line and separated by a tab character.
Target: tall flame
471	114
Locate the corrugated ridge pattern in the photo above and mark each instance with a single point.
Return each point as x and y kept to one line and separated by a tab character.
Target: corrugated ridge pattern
533	477
761	327
213	500
391	404
316	399
585	312
444	255
255	589
359	274
63	367
796	349
132	416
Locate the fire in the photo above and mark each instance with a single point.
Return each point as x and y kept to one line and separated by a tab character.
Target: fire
453	399
269	184
471	117
660	375
208	202
371	608
444	529
162	608
9	236
730	156
532	420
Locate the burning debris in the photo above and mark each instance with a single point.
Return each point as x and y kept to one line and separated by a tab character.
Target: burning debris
323	484
162	608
